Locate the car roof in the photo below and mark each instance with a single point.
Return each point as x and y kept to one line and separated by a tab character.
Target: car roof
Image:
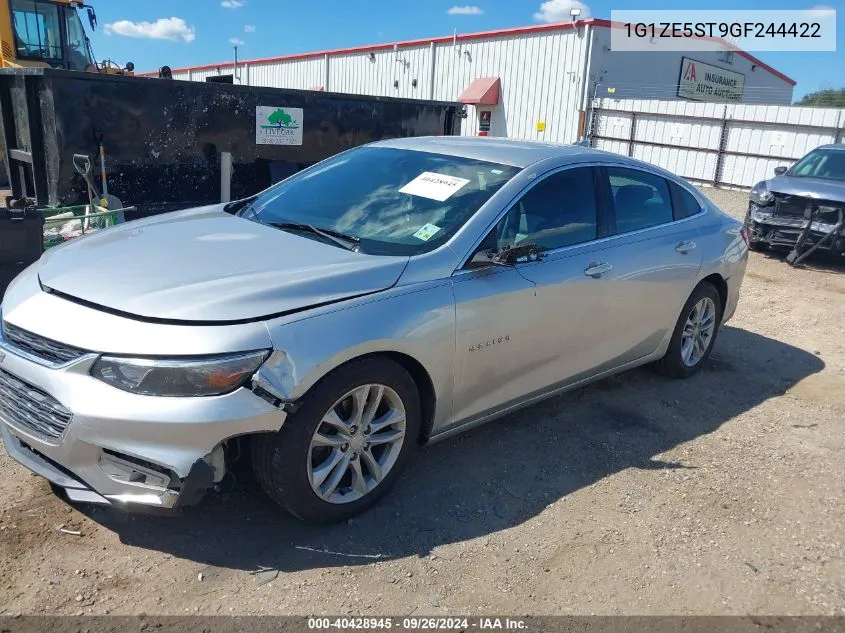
517	153
837	146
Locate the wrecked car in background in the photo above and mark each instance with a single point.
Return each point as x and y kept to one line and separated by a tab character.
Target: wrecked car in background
393	294
801	207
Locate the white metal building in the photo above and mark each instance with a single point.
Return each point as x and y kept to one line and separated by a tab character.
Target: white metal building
532	82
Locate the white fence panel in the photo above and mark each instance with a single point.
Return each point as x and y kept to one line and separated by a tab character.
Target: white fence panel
691	164
616	125
617	147
695	133
778	141
741	170
729	144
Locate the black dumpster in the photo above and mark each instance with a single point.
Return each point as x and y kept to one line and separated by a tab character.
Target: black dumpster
165	140
21	242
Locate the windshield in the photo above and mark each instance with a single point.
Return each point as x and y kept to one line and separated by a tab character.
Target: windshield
390	201
79	52
828	164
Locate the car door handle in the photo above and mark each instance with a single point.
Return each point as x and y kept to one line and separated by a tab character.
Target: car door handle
597	270
685	247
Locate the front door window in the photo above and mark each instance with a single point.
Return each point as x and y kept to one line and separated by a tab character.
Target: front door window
558	211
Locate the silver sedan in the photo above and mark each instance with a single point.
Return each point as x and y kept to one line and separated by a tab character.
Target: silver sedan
392	295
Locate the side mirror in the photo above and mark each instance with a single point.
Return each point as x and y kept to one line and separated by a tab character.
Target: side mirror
483	259
92	18
508	256
780	171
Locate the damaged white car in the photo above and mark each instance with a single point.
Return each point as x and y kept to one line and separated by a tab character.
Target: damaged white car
394	294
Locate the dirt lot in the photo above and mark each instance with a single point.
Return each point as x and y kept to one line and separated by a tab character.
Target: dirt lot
721	494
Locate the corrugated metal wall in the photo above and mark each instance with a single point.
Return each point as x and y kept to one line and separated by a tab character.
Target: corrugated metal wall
197	75
383	73
540	74
541	81
726	144
301	74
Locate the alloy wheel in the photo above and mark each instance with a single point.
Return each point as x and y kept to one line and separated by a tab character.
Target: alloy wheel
698	332
356	443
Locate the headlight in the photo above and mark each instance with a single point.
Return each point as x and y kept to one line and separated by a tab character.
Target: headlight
209	376
761	195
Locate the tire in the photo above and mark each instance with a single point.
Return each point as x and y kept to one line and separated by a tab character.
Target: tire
672	364
284	462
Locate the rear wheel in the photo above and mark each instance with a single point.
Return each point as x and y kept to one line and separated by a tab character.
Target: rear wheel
694	334
345	445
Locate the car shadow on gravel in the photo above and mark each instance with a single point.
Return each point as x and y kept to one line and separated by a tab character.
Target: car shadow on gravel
490	479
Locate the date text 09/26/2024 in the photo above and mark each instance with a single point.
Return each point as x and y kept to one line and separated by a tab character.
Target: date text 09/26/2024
417	624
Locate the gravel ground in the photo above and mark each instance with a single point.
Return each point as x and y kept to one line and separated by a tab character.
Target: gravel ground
723	494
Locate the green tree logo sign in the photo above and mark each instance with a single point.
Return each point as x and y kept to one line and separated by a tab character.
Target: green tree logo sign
275	125
280	119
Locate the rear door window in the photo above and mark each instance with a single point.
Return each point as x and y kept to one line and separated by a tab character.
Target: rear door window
640	199
684	203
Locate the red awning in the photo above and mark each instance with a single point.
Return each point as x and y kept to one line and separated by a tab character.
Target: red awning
482	91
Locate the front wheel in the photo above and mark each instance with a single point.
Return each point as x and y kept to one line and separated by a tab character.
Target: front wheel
346	444
694	334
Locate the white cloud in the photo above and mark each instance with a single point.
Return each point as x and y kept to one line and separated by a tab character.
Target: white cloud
162	29
465	10
249	28
558	10
232	4
236	42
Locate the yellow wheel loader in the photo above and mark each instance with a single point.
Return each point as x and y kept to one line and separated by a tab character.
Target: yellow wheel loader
49	33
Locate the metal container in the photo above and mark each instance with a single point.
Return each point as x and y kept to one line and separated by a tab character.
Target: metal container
165	141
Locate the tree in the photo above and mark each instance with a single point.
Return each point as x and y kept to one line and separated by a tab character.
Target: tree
828	98
280	118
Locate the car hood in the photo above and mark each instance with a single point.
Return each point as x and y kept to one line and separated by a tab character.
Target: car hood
207	265
808	188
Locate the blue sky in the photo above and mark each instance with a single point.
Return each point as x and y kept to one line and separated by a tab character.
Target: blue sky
200	31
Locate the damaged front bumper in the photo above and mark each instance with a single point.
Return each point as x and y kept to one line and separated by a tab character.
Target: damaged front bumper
765	228
119	448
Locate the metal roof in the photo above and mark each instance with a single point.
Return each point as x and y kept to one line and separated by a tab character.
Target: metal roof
520	30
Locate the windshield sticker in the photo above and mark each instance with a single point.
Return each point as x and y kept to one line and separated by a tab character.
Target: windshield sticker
496	171
434	186
427	232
